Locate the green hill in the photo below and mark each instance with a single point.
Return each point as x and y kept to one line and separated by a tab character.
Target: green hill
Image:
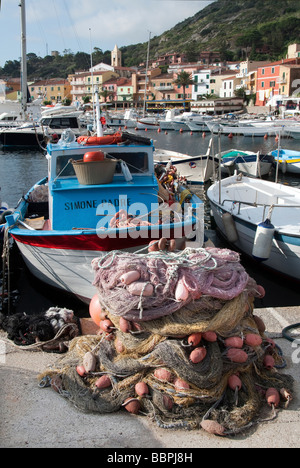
261	28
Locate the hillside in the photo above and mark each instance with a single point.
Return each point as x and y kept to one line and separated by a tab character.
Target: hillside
260	29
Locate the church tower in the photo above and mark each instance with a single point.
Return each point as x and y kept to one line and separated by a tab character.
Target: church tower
116	57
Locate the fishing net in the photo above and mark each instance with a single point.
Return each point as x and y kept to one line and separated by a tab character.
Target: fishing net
155	347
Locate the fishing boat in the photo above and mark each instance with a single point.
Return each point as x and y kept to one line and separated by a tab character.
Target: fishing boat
197	170
101	194
287	160
261	219
246	162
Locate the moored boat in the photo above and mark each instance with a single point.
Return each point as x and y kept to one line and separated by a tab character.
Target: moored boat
78	212
195	169
246	162
287	160
260	219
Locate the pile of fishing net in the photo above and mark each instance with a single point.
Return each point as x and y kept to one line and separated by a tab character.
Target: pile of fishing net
178	341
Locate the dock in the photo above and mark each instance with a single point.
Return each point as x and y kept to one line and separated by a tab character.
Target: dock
32	417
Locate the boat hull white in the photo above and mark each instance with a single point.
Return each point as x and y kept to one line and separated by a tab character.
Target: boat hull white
285	251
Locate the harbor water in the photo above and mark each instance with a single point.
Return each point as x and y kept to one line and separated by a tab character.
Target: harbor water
20	169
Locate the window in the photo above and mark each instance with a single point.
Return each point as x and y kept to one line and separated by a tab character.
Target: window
262	84
263	71
273	70
272	84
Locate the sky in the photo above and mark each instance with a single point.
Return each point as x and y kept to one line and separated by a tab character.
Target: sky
80	26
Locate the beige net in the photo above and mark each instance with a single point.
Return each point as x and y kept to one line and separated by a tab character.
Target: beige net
189	392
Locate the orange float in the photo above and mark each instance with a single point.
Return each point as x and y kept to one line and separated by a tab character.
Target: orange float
95	310
93	156
104	140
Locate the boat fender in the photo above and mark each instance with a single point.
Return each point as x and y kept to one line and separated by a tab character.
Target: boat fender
284	166
230	227
263	241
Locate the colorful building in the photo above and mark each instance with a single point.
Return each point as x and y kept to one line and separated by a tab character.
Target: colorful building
54	90
269	80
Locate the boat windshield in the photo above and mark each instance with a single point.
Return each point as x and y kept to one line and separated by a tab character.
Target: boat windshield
137	163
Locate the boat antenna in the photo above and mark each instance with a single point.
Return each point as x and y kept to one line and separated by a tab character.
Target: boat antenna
92	75
23	60
146	77
99	124
220	169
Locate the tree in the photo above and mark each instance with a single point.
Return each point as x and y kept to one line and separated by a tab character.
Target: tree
183	80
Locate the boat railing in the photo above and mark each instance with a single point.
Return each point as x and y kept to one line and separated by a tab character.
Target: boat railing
270	206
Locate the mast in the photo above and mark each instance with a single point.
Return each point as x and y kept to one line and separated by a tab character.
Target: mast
146	78
23	60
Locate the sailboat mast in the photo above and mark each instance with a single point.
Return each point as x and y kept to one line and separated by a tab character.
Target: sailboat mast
23	60
146	77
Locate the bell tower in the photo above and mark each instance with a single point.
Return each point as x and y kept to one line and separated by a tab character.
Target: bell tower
116	57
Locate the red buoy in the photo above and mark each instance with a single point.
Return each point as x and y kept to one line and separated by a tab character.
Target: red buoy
93	156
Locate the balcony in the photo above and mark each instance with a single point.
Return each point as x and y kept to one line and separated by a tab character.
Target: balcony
164	88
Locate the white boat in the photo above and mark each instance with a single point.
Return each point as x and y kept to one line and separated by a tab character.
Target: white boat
198	123
196	169
288	160
79	212
36	134
261	219
246	162
167	122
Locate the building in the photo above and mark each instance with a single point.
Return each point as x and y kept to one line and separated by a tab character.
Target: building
269	79
116	57
202	84
54	90
84	83
219	106
230	84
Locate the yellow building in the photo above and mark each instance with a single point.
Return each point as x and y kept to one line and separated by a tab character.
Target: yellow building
54	90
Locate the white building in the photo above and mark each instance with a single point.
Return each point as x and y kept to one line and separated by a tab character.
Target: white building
202	84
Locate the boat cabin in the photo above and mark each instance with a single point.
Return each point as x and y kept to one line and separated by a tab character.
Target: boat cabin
73	204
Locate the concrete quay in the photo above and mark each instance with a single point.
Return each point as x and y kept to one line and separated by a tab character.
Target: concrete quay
32	417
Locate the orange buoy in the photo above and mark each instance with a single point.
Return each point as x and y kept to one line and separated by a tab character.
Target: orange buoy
197	355
95	310
203	135
166	133
212	427
125	127
106	325
181	384
272	397
180	131
234	382
230	135
146	129
194	339
103	382
269	362
253	339
210	336
132	405
191	133
158	130
276	138
266	136
141	389
237	355
234	342
93	156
